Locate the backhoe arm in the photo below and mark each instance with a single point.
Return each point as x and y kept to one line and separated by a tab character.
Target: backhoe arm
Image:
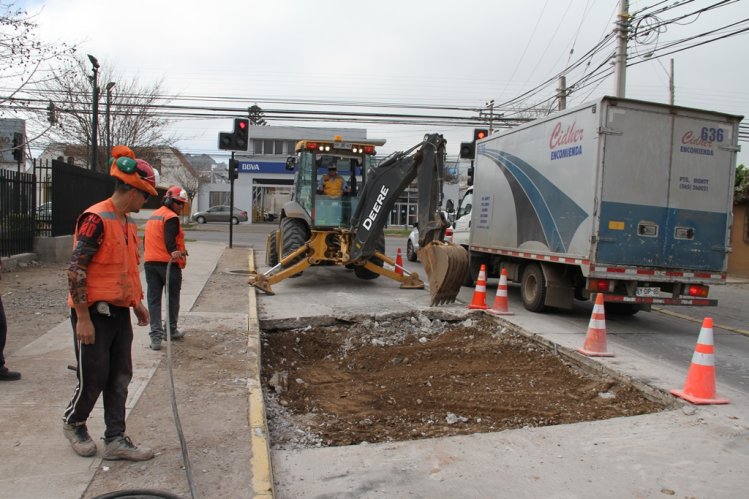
386	183
445	263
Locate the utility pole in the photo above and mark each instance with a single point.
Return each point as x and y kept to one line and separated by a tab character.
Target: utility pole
671	87
490	104
95	114
562	95
622	29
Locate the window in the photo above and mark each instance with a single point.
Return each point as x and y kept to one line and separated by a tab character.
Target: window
257	146
466	205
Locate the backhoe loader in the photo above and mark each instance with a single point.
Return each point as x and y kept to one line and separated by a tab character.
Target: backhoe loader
347	229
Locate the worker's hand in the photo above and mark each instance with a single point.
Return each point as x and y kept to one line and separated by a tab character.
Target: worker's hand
141	312
176	255
84	330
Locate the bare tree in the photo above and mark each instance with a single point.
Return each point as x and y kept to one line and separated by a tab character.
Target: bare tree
24	60
134	110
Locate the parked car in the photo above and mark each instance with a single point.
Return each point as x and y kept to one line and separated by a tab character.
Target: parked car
220	213
412	244
44	210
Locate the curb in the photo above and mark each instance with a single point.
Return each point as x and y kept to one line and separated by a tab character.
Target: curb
260	463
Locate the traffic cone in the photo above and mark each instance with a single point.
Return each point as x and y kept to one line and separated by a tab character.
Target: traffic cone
479	294
595	340
699	388
501	306
398	262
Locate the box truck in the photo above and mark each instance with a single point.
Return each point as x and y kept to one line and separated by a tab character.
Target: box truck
627	198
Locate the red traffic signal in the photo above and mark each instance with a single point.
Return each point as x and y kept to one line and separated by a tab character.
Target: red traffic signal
480	133
238	139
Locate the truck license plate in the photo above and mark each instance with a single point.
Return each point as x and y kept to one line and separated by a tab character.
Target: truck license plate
648	291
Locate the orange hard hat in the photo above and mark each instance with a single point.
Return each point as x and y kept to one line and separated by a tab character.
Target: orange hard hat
134	172
176	193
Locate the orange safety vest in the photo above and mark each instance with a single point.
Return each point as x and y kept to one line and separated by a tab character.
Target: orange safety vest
112	275
155	243
332	186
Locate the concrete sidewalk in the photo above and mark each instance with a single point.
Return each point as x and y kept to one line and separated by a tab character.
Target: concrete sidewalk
37	461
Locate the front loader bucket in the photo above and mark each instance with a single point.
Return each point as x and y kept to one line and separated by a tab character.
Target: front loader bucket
446	265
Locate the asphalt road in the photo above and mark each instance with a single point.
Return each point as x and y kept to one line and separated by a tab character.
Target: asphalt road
667	335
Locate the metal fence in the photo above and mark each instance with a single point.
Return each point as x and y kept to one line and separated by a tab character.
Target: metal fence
17	203
46	202
73	190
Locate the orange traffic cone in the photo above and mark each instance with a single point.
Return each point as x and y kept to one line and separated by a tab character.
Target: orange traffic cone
398	262
595	340
699	388
479	295
501	306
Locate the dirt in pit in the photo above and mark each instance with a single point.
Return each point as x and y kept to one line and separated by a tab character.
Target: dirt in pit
412	378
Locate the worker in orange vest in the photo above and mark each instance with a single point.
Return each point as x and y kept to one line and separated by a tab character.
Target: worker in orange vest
165	242
104	284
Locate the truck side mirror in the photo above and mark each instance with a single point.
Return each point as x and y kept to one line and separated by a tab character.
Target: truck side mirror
290	162
450	206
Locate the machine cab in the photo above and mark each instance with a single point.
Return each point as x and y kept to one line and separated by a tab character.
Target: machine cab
329	177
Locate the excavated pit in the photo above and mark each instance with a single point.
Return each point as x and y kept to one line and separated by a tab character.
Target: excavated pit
412	377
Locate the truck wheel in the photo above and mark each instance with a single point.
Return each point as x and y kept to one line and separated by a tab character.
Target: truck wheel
474	267
410	253
293	236
533	288
271	256
366	274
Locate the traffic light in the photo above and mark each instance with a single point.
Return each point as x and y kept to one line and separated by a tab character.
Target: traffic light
480	133
51	113
18	147
238	139
467	150
241	133
233	169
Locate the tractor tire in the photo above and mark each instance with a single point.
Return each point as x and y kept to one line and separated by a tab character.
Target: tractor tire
294	235
533	288
366	274
271	257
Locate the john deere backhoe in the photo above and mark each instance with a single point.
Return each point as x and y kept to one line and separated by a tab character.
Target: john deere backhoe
347	230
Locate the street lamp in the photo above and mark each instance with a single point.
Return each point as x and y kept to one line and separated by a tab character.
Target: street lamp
95	118
109	132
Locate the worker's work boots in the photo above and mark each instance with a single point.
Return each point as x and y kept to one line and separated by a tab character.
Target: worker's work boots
121	447
79	439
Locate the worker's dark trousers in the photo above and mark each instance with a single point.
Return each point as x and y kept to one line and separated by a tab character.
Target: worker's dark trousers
3	333
156	281
106	366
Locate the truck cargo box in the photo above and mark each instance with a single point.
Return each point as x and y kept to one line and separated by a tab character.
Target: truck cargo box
617	186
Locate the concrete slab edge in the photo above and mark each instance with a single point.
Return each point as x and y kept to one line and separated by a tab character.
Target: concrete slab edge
260	463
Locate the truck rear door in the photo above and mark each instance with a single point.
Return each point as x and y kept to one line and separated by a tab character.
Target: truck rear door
665	190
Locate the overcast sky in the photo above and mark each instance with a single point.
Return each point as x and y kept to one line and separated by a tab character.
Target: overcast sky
447	52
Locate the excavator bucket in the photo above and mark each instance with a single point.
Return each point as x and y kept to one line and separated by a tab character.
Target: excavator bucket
446	265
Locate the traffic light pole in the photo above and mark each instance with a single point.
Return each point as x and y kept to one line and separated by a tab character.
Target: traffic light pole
231	202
